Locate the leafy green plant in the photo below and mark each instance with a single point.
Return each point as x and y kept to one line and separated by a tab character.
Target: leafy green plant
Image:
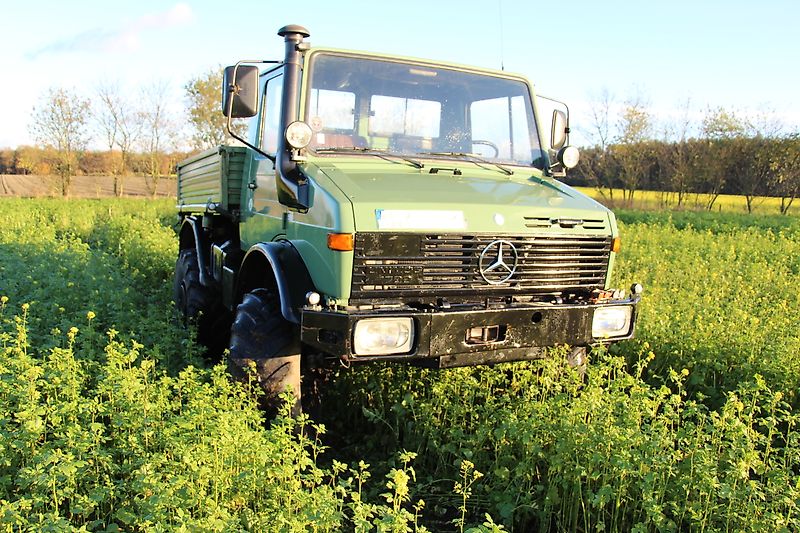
109	420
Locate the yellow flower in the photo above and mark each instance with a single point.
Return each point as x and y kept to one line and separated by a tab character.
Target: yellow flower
90	315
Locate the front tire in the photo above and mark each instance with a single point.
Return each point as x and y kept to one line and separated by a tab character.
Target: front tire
266	346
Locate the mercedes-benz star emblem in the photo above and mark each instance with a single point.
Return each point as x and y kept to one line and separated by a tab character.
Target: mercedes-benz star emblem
498	262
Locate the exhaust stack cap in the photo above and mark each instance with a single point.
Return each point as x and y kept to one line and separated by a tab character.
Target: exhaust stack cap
293	28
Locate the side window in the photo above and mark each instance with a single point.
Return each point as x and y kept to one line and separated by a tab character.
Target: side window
271	113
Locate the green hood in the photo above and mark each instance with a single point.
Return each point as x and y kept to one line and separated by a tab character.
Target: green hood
480	200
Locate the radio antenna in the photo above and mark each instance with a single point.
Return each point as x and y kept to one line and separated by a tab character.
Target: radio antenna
502	38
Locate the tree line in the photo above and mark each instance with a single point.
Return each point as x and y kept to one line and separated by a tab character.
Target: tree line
725	152
39	161
139	131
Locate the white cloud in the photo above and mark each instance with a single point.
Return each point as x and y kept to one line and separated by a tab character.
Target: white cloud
126	38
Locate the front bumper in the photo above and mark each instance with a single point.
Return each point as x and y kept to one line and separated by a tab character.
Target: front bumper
446	337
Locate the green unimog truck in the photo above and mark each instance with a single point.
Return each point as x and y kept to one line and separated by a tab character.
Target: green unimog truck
390	209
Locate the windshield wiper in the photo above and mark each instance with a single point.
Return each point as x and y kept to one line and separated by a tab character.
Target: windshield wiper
474	158
378	152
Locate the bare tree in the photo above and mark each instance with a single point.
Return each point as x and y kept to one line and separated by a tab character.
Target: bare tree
764	156
676	157
765	122
786	171
121	124
630	149
751	167
105	117
158	132
595	165
60	121
720	127
600	109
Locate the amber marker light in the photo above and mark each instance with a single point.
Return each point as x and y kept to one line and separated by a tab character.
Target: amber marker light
342	242
616	244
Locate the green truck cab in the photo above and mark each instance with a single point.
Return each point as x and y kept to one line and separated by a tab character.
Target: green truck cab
390	209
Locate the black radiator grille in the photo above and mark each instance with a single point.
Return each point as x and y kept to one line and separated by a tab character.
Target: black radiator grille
388	265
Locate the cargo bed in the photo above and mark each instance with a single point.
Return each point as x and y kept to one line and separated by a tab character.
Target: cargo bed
211	177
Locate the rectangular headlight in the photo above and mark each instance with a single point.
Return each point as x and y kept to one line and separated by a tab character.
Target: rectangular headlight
612	321
383	336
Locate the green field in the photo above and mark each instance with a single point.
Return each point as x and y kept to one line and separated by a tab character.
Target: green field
658	200
111	421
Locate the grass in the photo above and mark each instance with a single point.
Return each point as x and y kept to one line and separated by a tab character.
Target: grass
110	421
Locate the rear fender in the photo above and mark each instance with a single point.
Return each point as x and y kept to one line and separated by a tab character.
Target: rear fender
278	266
191	235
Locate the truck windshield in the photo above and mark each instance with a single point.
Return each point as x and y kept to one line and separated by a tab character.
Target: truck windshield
416	109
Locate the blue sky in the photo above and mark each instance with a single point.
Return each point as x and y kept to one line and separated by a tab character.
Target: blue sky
743	56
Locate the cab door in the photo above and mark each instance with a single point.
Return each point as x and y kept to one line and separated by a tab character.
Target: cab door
263	215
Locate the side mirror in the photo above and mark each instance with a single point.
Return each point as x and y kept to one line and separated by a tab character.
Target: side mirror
240	91
559	130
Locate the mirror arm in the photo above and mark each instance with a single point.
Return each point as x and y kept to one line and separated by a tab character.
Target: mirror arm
557	169
244	142
231	90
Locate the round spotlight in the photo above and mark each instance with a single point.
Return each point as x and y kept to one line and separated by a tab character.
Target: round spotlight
313	298
298	134
569	156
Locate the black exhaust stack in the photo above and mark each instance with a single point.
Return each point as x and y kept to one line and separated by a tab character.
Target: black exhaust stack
293	190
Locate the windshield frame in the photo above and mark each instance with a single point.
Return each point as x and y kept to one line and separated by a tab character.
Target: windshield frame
533	123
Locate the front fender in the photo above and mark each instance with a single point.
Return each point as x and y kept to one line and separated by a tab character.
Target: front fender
278	266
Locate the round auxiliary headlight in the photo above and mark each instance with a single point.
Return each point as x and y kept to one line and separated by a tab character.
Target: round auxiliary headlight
313	298
298	134
569	156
